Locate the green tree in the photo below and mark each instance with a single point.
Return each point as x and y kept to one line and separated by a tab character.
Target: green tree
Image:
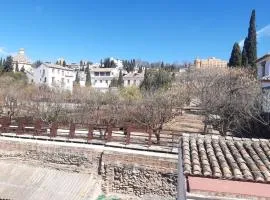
140	69
77	79
156	79
88	77
17	67
162	65
1	62
22	69
114	83
8	67
64	63
37	64
235	60
244	56
251	44
120	81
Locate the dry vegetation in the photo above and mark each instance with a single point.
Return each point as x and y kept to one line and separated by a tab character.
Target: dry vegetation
229	99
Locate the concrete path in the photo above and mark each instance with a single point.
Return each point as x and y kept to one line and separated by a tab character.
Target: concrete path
23	181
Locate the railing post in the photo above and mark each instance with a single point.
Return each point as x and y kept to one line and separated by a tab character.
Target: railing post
128	133
37	127
53	129
90	132
20	128
109	133
150	131
72	130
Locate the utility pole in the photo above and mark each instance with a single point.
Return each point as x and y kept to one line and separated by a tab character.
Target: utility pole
181	188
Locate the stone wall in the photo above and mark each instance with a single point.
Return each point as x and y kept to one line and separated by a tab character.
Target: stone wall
145	176
133	174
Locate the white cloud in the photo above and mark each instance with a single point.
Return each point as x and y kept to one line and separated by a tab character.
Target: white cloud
264	32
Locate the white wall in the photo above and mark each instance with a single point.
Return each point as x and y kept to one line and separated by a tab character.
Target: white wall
54	77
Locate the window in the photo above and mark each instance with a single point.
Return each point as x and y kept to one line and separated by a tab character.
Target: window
63	73
67	80
107	82
53	79
45	80
62	81
102	73
96	74
128	82
107	73
100	81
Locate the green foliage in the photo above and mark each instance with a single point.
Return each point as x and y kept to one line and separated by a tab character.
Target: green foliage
17	67
114	83
244	56
236	57
129	66
108	63
88	77
140	69
38	63
130	93
8	66
22	69
77	79
120	82
64	63
156	79
250	45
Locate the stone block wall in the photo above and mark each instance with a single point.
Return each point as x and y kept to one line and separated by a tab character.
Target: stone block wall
143	176
131	174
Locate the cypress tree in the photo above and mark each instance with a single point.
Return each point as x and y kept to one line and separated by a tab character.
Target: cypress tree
251	43
8	67
244	57
17	67
77	79
88	77
120	81
64	63
235	60
4	62
1	62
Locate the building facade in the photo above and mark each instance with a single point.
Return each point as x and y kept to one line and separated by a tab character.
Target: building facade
101	78
133	79
22	61
55	76
210	62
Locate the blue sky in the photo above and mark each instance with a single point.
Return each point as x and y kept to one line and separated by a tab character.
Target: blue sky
152	30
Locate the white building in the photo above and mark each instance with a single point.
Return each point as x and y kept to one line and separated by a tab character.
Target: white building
133	79
101	78
22	61
263	70
54	75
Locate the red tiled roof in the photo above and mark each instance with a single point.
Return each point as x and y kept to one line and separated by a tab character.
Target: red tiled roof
226	158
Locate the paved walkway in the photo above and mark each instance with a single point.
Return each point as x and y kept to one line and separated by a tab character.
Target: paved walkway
24	181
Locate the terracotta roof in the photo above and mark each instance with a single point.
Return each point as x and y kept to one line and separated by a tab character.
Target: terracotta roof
226	157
